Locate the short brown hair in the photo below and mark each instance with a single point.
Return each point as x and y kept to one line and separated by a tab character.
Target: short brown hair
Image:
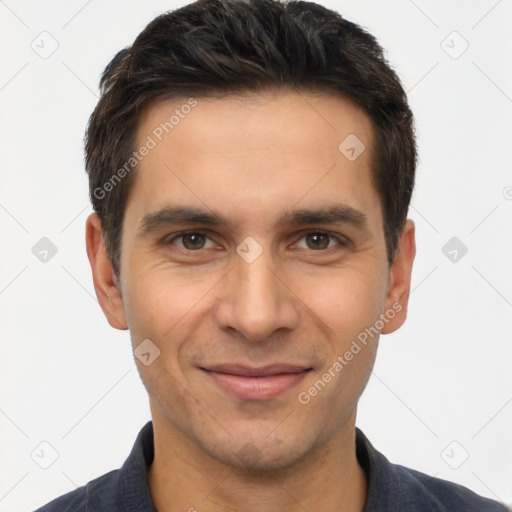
215	48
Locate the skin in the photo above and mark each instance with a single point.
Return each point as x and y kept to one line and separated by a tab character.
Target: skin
250	160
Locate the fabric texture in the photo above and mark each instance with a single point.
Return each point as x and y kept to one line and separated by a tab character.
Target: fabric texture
391	487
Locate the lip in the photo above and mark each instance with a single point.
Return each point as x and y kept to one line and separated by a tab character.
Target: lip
262	383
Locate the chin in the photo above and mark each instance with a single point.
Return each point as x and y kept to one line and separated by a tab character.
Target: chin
263	453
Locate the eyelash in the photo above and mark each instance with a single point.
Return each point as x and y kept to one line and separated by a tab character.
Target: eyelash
342	241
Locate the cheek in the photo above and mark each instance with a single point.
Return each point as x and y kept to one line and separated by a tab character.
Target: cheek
346	301
349	307
161	295
166	307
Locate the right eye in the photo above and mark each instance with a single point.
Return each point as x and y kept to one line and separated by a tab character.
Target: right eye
191	241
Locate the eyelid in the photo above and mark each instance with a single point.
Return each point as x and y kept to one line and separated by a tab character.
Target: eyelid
175	236
342	240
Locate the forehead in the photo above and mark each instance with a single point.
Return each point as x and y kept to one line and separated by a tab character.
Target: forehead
255	153
257	121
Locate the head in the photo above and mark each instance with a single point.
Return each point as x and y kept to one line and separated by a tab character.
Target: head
277	137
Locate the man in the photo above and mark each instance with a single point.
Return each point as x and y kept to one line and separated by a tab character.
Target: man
251	165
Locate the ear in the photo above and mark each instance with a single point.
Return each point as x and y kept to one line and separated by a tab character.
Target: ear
400	279
106	284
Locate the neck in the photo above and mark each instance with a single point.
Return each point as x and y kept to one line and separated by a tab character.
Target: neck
184	478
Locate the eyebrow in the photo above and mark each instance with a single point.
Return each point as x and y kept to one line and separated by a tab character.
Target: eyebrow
177	214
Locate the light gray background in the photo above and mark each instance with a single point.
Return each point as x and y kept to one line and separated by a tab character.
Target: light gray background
69	379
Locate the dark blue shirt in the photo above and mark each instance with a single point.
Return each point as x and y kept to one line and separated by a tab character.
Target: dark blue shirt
391	487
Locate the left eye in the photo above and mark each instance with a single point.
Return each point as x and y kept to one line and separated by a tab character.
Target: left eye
319	240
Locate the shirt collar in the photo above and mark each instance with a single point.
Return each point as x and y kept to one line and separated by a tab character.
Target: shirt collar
133	482
383	484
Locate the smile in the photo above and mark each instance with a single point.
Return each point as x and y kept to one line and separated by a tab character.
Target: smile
256	383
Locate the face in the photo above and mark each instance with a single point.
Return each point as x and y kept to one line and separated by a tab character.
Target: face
253	258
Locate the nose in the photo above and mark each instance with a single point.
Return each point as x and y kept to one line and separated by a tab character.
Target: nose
256	301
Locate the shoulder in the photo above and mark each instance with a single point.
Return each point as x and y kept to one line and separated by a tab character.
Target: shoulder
100	491
118	490
443	495
396	487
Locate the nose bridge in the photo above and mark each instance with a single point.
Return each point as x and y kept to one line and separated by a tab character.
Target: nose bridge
257	288
255	302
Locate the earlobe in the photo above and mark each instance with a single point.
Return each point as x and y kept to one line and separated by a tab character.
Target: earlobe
106	284
400	279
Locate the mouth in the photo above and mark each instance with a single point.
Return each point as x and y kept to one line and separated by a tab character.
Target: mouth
249	383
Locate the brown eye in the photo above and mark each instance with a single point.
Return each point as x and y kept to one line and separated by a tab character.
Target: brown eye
317	240
320	241
192	241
